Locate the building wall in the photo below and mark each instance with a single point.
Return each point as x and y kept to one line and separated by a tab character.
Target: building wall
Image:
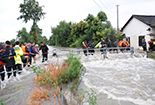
134	29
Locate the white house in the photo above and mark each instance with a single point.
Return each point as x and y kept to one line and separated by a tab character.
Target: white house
137	28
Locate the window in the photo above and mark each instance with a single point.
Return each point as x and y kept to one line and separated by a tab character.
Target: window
140	40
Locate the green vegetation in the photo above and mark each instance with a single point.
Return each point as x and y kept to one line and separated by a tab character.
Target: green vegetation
151	56
73	71
31	10
65	34
2	101
92	28
64	74
55	75
24	36
92	99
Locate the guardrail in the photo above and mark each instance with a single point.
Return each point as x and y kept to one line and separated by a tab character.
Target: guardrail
108	49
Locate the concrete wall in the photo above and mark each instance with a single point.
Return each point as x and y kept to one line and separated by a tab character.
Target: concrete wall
134	29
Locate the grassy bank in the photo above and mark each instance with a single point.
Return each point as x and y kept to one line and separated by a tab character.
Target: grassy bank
49	79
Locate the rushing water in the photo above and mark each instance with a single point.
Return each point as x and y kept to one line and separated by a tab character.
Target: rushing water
119	80
122	80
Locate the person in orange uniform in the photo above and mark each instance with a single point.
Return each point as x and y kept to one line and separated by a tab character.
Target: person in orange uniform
25	53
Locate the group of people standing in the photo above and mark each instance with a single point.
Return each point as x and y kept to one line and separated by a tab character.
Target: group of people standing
13	57
90	46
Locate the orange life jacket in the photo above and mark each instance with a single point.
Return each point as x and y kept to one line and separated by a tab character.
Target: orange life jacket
84	44
150	41
127	44
24	52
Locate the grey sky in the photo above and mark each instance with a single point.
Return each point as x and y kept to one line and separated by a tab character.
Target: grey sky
69	10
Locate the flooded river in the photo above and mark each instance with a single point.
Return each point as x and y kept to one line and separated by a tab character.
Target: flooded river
119	80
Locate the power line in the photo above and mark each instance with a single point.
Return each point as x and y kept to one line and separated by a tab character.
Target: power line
100	7
97	5
105	6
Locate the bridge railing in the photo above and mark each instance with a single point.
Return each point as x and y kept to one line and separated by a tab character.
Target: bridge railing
108	49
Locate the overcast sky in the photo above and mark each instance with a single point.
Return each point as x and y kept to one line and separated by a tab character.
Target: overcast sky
69	10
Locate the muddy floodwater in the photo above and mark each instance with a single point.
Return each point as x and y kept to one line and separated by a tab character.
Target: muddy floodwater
119	80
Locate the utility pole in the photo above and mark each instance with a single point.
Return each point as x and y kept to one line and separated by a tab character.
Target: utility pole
117	18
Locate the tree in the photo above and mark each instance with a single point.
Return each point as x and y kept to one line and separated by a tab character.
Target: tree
12	41
23	35
61	33
77	34
31	10
92	28
101	15
38	31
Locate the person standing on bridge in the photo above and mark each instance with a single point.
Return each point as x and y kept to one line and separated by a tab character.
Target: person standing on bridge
109	45
85	46
103	43
115	45
90	47
144	45
45	51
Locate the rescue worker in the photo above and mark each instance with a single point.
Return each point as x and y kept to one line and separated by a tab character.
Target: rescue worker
93	46
45	51
144	45
84	46
29	49
103	43
18	60
115	45
151	45
10	64
34	52
123	47
90	47
109	45
25	54
3	60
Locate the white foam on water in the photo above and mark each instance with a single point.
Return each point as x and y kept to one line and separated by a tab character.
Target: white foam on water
13	79
123	78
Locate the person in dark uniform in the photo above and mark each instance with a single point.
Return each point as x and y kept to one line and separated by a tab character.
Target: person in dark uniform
3	60
103	43
45	51
123	47
144	45
90	47
115	45
10	64
109	45
93	46
151	45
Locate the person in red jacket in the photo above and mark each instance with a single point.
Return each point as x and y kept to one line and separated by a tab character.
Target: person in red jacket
3	59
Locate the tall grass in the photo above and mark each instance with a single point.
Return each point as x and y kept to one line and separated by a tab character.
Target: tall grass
51	77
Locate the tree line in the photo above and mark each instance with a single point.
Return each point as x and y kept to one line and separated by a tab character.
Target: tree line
65	34
68	34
